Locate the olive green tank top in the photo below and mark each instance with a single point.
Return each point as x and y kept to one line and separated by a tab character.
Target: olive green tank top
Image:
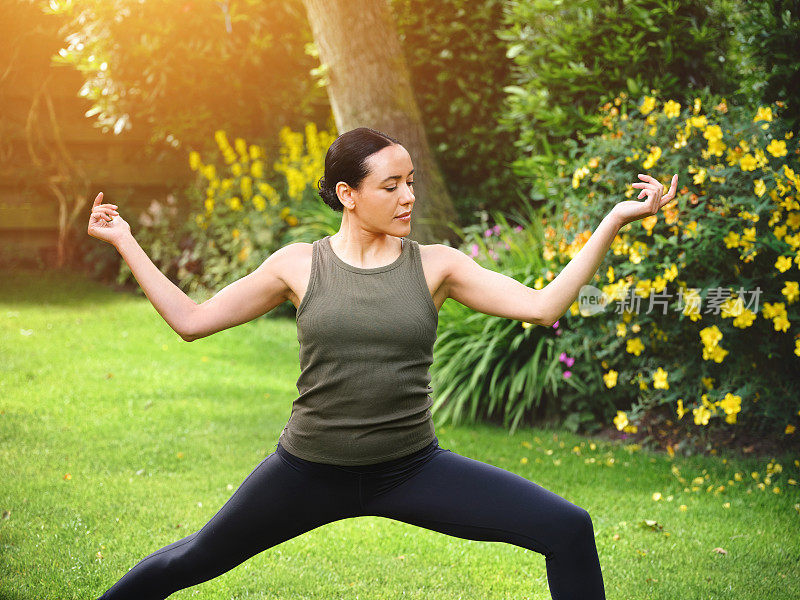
366	343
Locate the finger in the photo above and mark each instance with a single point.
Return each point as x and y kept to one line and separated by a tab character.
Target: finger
647	178
104	214
98	199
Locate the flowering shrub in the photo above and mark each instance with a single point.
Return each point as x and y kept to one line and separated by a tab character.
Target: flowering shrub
704	293
241	209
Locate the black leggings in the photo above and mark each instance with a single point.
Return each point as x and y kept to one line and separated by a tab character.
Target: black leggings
434	488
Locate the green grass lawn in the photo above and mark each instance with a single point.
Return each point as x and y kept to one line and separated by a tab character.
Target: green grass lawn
117	438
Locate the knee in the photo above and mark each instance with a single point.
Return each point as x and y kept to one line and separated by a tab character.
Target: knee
577	528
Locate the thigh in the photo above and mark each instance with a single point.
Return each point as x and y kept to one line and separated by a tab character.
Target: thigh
470	499
277	501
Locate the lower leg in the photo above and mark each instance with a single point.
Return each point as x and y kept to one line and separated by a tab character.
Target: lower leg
466	498
273	504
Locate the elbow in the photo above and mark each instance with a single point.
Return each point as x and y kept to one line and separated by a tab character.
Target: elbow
548	322
187	335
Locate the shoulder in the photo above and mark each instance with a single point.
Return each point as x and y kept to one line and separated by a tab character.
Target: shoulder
289	259
442	258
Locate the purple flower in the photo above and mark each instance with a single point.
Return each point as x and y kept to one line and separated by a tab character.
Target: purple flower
567	374
487	233
558	331
474	250
555	324
496	228
570	361
518	228
562	357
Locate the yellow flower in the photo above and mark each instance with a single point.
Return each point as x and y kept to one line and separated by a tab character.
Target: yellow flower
748	162
713	133
634	346
783	263
711	336
610	378
660	379
731	239
209	204
235	233
789	429
699	177
730	404
241	148
194	160
621	327
648	105
292	220
649	222
610	274
791	290
760	187
781	323
259	202
257	169
236	169
672	109
716	353
235	203
621	420
650	161
210	172
797	350
777	148
701	415
681	410
525	324
763	114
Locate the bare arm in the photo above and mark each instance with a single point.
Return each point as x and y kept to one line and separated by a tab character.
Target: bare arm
496	294
167	298
241	301
559	294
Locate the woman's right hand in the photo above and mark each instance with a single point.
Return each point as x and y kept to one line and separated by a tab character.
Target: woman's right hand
105	223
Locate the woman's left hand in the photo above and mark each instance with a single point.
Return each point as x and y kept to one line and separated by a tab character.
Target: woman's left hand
628	211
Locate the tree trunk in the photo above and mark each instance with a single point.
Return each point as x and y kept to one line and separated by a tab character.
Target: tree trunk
369	86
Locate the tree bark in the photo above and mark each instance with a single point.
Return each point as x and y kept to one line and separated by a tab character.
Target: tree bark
369	85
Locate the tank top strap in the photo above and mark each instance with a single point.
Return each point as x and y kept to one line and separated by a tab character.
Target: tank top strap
418	275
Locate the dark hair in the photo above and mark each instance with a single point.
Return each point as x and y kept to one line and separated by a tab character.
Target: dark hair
346	160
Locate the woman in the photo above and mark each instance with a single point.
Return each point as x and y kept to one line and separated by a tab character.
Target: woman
360	439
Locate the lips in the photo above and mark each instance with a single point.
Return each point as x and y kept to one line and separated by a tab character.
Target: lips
403	215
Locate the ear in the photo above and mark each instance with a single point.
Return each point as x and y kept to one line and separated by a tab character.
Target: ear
346	194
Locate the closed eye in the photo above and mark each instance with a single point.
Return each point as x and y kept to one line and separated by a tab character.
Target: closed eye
391	189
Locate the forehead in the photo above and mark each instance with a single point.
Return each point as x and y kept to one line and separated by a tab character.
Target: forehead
391	160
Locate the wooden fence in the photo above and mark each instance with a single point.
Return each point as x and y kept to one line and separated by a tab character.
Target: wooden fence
53	160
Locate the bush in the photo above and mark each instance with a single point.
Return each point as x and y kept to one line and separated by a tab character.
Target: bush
728	240
731	231
240	211
767	52
570	57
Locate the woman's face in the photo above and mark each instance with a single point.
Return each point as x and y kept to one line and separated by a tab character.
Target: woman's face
386	192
